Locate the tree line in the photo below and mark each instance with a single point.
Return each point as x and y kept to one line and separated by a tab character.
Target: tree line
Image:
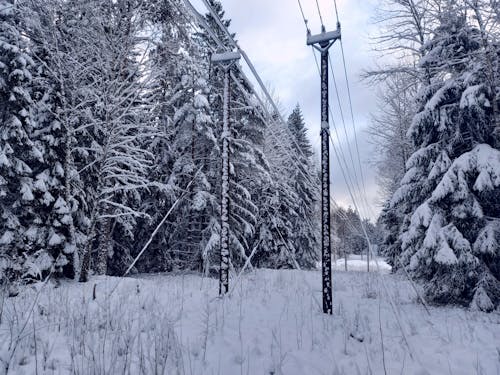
110	113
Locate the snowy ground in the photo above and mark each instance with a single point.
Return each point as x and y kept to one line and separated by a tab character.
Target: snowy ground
270	324
358	263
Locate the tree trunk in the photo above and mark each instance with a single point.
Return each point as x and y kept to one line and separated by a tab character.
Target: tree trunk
345	259
68	196
84	272
105	246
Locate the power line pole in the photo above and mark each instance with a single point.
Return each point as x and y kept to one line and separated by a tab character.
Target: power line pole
322	42
226	60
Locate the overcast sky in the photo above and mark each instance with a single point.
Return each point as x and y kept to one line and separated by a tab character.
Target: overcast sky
273	35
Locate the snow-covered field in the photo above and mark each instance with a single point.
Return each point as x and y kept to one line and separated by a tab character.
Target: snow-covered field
270	324
358	263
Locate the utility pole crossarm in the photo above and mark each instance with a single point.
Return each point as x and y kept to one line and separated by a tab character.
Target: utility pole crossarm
324	37
225	57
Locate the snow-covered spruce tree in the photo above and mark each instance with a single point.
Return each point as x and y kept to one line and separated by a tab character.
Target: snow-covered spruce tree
36	221
279	236
277	202
486	17
406	27
185	148
285	236
18	151
391	221
56	117
55	32
306	185
452	185
247	162
297	126
52	175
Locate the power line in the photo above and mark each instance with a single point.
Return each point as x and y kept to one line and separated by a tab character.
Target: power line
363	199
320	16
340	155
338	98
353	122
344	126
303	16
393	306
250	65
396	311
216	39
336	11
263	107
336	89
347	176
245	56
340	162
205	25
259	80
219	43
363	195
352	196
342	116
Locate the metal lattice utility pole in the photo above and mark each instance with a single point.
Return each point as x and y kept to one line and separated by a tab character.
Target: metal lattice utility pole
226	60
322	42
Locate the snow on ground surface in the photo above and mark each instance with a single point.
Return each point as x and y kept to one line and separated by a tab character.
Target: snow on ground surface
270	324
358	263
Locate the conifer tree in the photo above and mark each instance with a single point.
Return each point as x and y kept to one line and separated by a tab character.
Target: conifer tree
185	147
18	150
37	197
247	162
452	181
306	185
